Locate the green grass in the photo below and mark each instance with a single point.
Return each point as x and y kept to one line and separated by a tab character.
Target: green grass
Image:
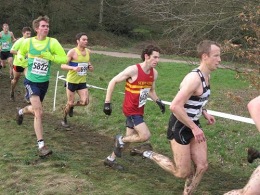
76	166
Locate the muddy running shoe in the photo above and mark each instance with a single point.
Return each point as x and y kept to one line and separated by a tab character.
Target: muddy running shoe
252	154
65	124
44	151
71	111
12	96
118	146
139	150
113	164
19	118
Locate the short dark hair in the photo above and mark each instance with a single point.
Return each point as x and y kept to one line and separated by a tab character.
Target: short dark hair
79	35
149	50
204	47
26	28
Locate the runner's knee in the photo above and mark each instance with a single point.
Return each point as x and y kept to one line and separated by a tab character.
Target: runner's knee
201	168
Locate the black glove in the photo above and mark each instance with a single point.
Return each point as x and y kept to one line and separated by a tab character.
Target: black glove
107	109
161	105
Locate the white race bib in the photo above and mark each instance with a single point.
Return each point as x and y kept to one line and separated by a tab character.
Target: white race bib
83	69
5	45
143	96
40	66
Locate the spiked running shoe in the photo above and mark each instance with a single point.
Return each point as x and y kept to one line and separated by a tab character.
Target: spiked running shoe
139	150
71	111
252	154
19	118
44	151
65	124
113	164
118	146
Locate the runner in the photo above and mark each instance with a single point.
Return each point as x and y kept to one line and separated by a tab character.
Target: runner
187	139
42	51
18	67
76	80
253	185
7	38
140	83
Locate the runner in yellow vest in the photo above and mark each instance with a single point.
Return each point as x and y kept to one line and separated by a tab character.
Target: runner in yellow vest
78	66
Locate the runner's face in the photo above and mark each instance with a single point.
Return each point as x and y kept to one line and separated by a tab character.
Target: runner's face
27	34
43	28
153	59
83	41
213	59
5	28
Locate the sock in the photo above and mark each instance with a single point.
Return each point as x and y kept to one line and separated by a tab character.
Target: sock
40	143
148	154
120	140
20	112
110	158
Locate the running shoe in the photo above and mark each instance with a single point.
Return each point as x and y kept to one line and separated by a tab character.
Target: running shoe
252	154
19	118
139	150
44	151
118	146
71	111
113	164
65	124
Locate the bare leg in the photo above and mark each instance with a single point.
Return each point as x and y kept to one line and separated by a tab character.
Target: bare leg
252	187
38	112
180	166
142	134
254	110
199	158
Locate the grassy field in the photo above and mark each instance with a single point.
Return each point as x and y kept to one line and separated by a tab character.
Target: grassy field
76	166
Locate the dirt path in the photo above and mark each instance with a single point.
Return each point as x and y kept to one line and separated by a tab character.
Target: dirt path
131	55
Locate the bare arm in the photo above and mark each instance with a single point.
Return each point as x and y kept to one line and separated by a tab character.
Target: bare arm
152	93
70	55
189	86
129	72
12	35
254	110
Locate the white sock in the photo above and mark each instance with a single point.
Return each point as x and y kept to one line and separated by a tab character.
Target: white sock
20	112
120	140
148	154
40	144
110	158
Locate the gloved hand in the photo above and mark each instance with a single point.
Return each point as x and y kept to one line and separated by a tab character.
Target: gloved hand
107	109
47	55
161	105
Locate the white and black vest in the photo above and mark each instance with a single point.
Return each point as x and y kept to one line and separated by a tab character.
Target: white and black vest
195	104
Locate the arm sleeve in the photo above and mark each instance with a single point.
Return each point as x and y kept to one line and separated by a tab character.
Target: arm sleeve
58	52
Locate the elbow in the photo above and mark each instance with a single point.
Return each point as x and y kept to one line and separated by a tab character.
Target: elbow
173	108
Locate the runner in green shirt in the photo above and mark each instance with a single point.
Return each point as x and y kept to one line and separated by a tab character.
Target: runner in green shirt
7	38
41	51
18	67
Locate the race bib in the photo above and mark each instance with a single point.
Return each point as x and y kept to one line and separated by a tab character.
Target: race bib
83	69
40	66
5	45
143	96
